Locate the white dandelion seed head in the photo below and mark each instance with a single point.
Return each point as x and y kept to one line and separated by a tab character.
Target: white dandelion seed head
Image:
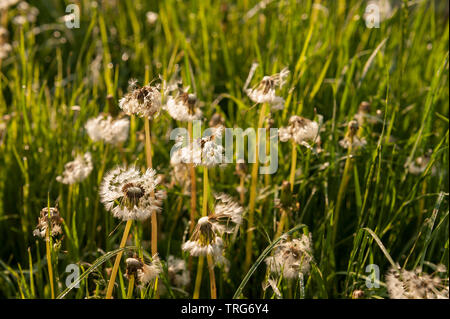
183	107
414	284
141	101
152	17
300	130
105	128
76	170
206	238
291	257
177	272
265	91
129	194
203	152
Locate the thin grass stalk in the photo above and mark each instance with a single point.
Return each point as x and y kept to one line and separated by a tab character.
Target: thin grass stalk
341	192
254	182
198	279
112	279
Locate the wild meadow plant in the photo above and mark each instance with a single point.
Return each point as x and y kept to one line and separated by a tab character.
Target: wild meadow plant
99	171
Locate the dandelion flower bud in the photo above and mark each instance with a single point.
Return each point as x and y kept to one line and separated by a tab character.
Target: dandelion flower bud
128	194
77	170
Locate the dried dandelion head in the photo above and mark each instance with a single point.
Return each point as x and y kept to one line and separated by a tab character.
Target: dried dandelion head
77	170
105	128
351	140
206	238
144	273
203	151
183	106
265	91
142	101
292	258
5	47
300	130
415	284
177	272
129	194
50	220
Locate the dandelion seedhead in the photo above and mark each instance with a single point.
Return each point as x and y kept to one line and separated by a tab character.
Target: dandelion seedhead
292	257
404	284
142	101
177	272
144	273
202	151
5	4
288	201
27	13
5	47
183	106
419	165
128	194
206	238
351	139
49	219
265	91
105	128
300	130
77	170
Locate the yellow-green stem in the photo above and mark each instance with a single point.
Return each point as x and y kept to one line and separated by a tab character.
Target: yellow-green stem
198	279
130	287
112	279
341	193
49	261
254	182
193	185
293	165
154	219
212	277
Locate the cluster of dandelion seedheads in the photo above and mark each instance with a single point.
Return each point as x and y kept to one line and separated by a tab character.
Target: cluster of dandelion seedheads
132	194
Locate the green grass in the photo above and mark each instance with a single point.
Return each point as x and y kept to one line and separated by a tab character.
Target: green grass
386	214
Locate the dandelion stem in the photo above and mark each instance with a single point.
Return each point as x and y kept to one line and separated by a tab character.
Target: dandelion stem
112	279
193	185
254	182
49	257
130	287
154	219
198	279
212	277
293	165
